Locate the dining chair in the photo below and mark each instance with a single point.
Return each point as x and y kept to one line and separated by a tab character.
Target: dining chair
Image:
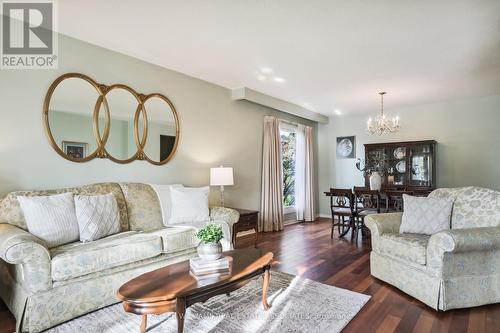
394	200
367	202
342	207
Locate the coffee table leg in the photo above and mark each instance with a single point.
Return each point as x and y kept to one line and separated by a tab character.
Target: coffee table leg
144	323
264	289
181	312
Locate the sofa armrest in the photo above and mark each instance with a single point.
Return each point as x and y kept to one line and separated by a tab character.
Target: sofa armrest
383	223
228	215
466	240
19	247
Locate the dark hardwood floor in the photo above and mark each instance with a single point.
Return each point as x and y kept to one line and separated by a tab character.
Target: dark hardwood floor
307	250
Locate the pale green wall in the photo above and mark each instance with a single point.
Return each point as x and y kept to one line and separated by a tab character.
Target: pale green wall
214	129
467	132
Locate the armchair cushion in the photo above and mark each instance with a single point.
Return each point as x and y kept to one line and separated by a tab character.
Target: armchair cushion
78	259
425	215
407	247
19	247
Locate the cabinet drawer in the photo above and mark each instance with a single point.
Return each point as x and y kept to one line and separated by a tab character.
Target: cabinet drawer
248	220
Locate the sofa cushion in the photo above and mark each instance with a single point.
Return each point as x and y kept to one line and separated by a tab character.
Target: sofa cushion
177	238
407	247
78	259
10	210
143	207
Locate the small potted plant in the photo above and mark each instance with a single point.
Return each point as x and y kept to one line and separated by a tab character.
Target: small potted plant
210	247
374	168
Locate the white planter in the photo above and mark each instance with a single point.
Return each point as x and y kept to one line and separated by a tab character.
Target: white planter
375	181
209	251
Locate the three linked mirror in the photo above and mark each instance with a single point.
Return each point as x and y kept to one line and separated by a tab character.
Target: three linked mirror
84	119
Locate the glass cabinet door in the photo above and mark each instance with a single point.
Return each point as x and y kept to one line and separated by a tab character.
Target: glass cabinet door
421	164
377	154
396	175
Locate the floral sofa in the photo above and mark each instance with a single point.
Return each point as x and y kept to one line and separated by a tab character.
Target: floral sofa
46	286
456	268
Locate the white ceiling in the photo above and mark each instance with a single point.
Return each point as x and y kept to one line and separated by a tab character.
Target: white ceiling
330	54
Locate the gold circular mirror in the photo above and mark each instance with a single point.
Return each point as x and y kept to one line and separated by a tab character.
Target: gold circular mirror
84	119
162	129
119	142
68	117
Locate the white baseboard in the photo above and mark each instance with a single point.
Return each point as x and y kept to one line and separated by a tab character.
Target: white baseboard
328	216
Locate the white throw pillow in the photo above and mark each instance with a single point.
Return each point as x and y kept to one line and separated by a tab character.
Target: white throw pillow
425	216
165	198
97	216
51	218
189	204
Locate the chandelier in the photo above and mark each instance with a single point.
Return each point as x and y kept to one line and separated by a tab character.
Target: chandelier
382	125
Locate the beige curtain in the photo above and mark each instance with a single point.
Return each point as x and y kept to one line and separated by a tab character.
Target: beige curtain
309	212
304	180
272	178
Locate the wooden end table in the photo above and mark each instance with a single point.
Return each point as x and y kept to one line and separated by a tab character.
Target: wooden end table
249	220
173	288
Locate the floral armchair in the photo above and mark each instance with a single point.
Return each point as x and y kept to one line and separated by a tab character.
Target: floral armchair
456	268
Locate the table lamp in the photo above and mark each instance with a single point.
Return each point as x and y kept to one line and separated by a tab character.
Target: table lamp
221	176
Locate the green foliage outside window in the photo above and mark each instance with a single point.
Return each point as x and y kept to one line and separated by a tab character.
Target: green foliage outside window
288	159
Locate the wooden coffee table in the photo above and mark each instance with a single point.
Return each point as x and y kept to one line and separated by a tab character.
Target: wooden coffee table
173	288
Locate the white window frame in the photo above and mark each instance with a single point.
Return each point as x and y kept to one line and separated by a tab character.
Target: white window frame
287	127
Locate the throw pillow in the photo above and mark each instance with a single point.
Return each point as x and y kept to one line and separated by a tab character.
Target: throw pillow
165	198
97	216
425	216
51	218
189	204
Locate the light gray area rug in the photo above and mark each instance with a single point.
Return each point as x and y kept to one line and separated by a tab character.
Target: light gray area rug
297	305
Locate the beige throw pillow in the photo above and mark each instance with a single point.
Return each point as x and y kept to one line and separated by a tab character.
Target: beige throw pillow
425	215
97	216
51	218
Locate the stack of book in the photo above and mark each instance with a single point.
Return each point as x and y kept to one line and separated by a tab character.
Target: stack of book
201	268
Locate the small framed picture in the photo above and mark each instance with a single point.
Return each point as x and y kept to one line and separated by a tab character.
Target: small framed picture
75	149
346	147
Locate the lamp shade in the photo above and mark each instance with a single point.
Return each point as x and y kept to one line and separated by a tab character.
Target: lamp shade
221	176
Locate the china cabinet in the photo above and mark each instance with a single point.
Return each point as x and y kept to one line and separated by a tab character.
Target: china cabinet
411	165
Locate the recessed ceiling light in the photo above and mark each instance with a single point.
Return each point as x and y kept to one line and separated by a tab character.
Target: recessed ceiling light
279	79
337	112
266	70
